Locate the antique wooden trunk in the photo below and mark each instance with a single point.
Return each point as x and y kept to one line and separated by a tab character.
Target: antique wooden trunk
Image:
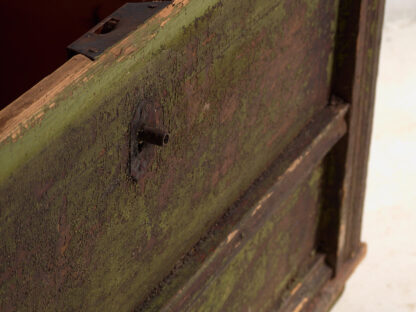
194	155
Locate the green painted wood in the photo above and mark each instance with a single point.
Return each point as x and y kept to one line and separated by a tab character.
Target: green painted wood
233	81
238	226
260	273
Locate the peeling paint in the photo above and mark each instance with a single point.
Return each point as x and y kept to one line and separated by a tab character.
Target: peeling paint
118	238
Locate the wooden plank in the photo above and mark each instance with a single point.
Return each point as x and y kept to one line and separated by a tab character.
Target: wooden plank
306	290
260	267
233	82
272	189
331	291
354	79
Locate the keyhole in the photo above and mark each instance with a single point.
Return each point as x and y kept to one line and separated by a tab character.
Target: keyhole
107	27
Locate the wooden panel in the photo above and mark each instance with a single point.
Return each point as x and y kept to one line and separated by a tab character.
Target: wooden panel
242	221
233	82
354	80
305	290
332	289
257	276
361	120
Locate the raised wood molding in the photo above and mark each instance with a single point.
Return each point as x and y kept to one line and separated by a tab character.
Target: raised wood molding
301	157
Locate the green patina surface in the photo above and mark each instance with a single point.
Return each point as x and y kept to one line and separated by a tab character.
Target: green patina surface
256	277
232	81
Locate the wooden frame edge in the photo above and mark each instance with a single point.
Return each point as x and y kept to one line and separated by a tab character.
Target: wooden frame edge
32	103
307	151
354	80
331	290
361	121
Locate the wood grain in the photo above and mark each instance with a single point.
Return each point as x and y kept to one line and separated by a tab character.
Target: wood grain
354	79
233	82
32	104
244	90
302	156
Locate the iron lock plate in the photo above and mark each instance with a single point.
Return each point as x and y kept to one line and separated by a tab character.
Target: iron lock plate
114	28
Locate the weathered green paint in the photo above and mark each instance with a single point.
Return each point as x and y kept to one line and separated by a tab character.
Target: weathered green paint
255	279
233	82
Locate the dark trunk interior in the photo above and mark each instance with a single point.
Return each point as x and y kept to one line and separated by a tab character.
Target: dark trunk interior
35	35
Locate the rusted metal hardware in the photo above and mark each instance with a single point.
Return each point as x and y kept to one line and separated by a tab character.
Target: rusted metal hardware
153	136
145	132
114	28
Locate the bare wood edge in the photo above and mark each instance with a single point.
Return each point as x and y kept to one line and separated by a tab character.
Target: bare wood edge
304	154
305	290
331	290
360	129
32	102
36	115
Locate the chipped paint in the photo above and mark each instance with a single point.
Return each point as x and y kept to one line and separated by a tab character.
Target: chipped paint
124	237
296	288
231	236
301	305
261	203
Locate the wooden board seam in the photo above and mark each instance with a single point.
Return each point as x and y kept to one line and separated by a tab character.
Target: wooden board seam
327	127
